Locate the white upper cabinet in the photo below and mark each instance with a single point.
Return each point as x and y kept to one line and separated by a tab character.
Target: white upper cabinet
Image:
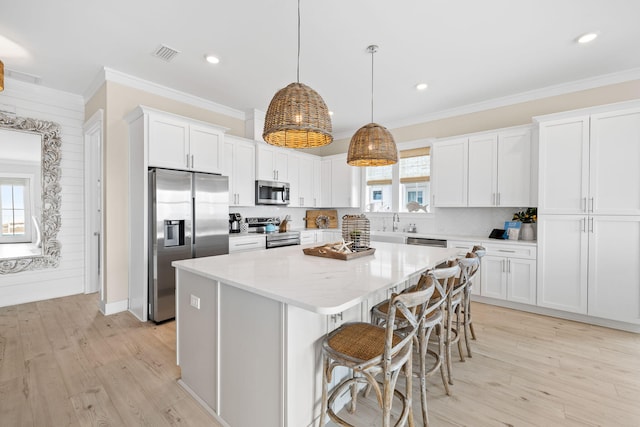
240	155
564	166
308	175
175	142
483	170
206	147
294	181
500	168
449	169
513	168
486	169
340	182
272	163
589	164
614	184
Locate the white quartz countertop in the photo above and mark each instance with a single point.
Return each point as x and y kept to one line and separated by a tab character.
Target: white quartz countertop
321	285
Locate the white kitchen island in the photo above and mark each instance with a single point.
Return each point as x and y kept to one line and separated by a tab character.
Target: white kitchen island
250	325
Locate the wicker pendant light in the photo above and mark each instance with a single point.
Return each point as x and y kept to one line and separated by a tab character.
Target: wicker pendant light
372	144
297	116
1	76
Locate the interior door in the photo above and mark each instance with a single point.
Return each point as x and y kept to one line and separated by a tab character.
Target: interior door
94	261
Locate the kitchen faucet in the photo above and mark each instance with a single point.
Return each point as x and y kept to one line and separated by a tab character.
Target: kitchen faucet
396	221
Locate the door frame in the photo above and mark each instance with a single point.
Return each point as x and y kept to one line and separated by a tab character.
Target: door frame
92	129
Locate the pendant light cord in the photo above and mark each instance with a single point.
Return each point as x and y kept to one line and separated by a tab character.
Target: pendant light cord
372	52
298	70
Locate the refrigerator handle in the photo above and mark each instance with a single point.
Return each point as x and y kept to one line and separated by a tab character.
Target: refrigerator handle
193	221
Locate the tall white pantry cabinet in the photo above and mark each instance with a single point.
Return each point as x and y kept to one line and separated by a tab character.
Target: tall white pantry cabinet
589	212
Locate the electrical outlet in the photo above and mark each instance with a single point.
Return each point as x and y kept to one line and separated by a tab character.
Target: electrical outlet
195	302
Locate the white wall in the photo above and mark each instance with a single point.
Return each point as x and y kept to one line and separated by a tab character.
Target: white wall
66	109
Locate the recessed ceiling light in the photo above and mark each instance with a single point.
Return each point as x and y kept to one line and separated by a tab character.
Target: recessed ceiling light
331	113
421	86
211	59
586	38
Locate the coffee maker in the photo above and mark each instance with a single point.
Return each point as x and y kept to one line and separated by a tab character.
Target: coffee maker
234	222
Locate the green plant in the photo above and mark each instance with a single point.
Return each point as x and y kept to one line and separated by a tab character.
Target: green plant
527	216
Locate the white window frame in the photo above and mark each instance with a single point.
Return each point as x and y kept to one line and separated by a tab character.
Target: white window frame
396	197
29	208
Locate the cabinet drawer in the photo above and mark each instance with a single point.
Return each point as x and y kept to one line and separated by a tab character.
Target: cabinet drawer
512	251
463	246
240	244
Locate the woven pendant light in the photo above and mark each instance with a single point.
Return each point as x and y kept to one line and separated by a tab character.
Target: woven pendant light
372	144
1	76
297	116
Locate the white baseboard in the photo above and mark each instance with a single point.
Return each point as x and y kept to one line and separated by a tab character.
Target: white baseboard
592	320
114	307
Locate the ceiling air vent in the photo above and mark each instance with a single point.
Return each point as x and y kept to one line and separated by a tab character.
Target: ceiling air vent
165	53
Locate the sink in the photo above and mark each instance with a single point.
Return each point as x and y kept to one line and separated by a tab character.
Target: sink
387	237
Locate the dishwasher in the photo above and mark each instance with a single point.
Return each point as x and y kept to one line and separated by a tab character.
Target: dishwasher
423	241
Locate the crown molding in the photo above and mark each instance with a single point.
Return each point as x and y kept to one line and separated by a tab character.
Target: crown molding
108	74
37	93
547	92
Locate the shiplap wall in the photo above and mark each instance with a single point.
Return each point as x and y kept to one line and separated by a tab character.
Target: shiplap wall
28	100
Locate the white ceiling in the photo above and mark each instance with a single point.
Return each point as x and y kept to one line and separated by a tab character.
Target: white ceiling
468	51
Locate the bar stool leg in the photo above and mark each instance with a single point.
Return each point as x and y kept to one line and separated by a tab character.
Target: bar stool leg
326	378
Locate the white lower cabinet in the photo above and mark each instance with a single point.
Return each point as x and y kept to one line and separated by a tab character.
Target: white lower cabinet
508	272
589	265
247	243
465	247
308	237
329	236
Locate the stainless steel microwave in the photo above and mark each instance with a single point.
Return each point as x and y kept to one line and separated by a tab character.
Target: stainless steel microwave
272	193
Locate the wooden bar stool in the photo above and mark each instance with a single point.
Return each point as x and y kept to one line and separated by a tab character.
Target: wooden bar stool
433	320
370	350
480	251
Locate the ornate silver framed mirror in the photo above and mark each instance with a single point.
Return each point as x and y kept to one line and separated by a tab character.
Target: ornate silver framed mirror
43	248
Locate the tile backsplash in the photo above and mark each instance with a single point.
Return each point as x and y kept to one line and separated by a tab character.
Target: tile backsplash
454	221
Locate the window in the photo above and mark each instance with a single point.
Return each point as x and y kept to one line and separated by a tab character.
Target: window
15	212
415	171
404	187
378	184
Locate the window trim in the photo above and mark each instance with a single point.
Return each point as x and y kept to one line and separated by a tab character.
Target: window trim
29	208
415	146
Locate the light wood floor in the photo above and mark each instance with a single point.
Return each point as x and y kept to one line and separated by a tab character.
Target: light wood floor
63	363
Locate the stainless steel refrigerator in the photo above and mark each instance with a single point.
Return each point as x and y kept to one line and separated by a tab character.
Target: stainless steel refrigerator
188	218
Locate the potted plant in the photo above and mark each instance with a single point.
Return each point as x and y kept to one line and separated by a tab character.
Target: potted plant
528	219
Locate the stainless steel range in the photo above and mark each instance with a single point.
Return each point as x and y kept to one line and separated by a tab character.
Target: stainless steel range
269	226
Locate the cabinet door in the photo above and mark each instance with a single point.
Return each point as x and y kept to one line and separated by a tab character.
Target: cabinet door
450	166
564	166
521	280
294	182
206	147
614	269
325	186
281	165
345	184
265	161
562	262
483	170
305	182
240	167
244	170
514	168
229	155
168	142
614	186
316	200
494	277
